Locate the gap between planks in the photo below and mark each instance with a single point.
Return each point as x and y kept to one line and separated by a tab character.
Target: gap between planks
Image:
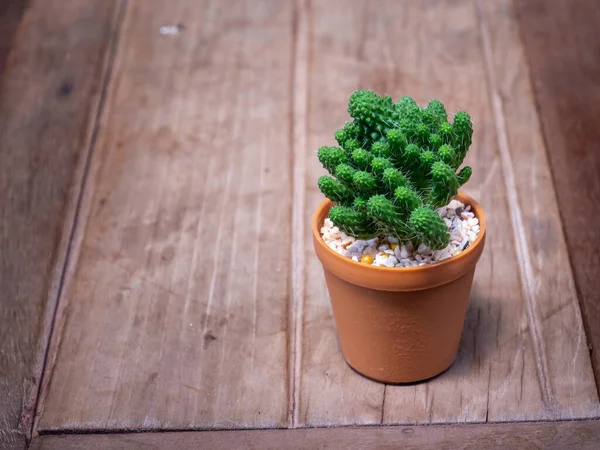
372	426
557	435
71	234
528	286
299	91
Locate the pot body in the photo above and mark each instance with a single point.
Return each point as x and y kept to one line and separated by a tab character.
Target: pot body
399	325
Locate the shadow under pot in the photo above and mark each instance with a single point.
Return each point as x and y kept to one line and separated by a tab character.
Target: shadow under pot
399	325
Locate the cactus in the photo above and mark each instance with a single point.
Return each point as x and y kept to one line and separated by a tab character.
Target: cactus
395	165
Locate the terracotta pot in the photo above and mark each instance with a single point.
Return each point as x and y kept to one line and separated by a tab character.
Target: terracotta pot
399	325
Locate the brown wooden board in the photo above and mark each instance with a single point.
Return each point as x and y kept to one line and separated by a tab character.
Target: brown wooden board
580	435
11	12
546	278
175	312
523	353
562	44
49	96
194	299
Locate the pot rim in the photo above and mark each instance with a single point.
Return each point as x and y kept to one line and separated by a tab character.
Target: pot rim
396	278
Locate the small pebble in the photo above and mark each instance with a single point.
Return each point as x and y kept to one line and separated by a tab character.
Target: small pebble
390	262
170	30
370	251
404	253
346	242
423	249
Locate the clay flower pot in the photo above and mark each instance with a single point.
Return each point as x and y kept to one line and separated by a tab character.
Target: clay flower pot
399	325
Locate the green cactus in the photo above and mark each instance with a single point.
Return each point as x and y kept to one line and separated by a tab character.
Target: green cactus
373	114
447	154
350	131
407	200
446	133
335	191
365	182
395	165
435	142
345	173
330	157
351	145
387	216
362	158
439	112
379	165
356	223
360	204
464	175
382	149
393	179
429	228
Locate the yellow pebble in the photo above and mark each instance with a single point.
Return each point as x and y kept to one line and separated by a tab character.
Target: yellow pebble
393	246
456	252
367	259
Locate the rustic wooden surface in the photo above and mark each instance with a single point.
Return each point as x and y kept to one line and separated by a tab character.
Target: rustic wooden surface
191	297
11	13
523	354
565	68
48	103
578	435
165	321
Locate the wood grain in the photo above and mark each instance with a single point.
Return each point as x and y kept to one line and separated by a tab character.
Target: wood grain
554	319
522	353
564	71
49	95
175	315
11	12
579	435
330	393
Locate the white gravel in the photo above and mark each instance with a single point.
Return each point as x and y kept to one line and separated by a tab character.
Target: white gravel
387	251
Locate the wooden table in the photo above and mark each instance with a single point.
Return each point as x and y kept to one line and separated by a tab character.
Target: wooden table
157	176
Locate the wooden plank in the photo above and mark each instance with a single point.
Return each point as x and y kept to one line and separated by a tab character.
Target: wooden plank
11	13
554	317
49	96
579	435
330	392
175	315
564	72
515	361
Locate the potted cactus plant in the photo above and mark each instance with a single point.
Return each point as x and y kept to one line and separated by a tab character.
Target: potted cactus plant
397	239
